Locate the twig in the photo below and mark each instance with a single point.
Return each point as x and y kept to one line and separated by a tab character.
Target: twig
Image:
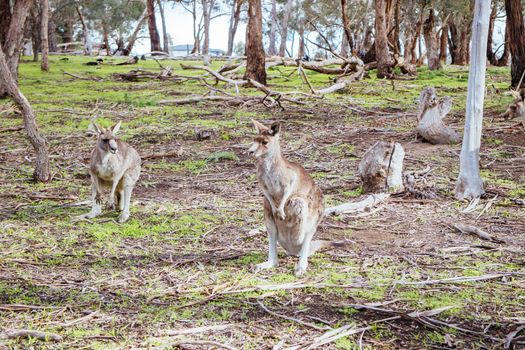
185	331
307	324
478	232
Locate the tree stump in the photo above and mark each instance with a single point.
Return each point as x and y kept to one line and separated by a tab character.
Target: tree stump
430	118
382	166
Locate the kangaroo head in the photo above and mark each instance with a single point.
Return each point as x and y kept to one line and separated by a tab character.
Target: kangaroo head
107	139
267	140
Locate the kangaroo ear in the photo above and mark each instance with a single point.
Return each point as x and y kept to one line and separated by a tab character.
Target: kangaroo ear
93	128
115	128
259	127
274	128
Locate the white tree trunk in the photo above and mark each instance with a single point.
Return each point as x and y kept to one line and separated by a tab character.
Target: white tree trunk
469	184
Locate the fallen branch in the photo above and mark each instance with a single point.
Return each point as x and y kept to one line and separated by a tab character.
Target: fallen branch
217	75
25	333
293	319
478	232
369	202
195	330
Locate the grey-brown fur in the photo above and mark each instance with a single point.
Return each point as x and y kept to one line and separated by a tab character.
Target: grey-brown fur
115	165
293	203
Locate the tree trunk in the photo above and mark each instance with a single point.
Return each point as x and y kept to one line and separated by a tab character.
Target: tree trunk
152	26
35	29
5	20
52	35
42	172
284	27
430	42
346	26
44	39
344	45
469	184
14	38
396	32
300	51
105	36
415	38
454	42
165	38
255	62
381	168
85	33
443	44
234	22
272	49
206	17
516	41
490	52
133	37
504	59
465	47
384	68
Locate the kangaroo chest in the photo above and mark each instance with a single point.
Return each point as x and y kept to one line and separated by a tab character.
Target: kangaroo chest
274	182
108	168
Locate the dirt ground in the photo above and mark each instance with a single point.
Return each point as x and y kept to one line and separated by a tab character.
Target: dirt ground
180	273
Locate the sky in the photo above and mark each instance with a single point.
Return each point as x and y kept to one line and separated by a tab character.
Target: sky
179	25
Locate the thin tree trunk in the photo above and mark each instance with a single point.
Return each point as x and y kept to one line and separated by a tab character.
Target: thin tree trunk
470	184
300	51
45	39
516	41
206	15
196	41
284	27
165	39
396	34
454	41
5	20
152	26
85	33
344	46
52	35
133	37
106	38
35	27
234	22
430	42
504	59
490	52
443	43
384	69
13	42
415	38
42	172
346	26
255	63
272	49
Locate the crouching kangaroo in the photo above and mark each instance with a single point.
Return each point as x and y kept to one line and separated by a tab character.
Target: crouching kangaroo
293	203
114	165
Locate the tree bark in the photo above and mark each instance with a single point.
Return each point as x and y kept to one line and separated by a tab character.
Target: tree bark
42	172
469	184
85	33
5	20
165	38
504	59
13	42
206	8
430	42
384	67
516	41
272	48
52	36
133	37
45	39
300	51
381	168
234	22
346	26
255	62
443	43
152	26
284	27
105	37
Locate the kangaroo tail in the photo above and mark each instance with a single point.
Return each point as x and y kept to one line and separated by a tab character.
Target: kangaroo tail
321	244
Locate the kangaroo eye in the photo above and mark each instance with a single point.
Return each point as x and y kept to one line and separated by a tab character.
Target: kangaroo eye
264	142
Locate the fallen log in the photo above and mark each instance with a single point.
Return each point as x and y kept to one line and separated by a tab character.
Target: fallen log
430	118
357	207
26	333
478	232
381	168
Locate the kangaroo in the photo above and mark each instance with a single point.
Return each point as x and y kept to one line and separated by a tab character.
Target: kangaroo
293	203
116	165
516	108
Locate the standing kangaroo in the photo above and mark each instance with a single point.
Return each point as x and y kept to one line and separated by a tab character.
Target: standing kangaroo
293	204
116	165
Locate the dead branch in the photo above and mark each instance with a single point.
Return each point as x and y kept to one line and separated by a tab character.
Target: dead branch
81	77
366	204
478	232
217	75
293	319
26	333
195	330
